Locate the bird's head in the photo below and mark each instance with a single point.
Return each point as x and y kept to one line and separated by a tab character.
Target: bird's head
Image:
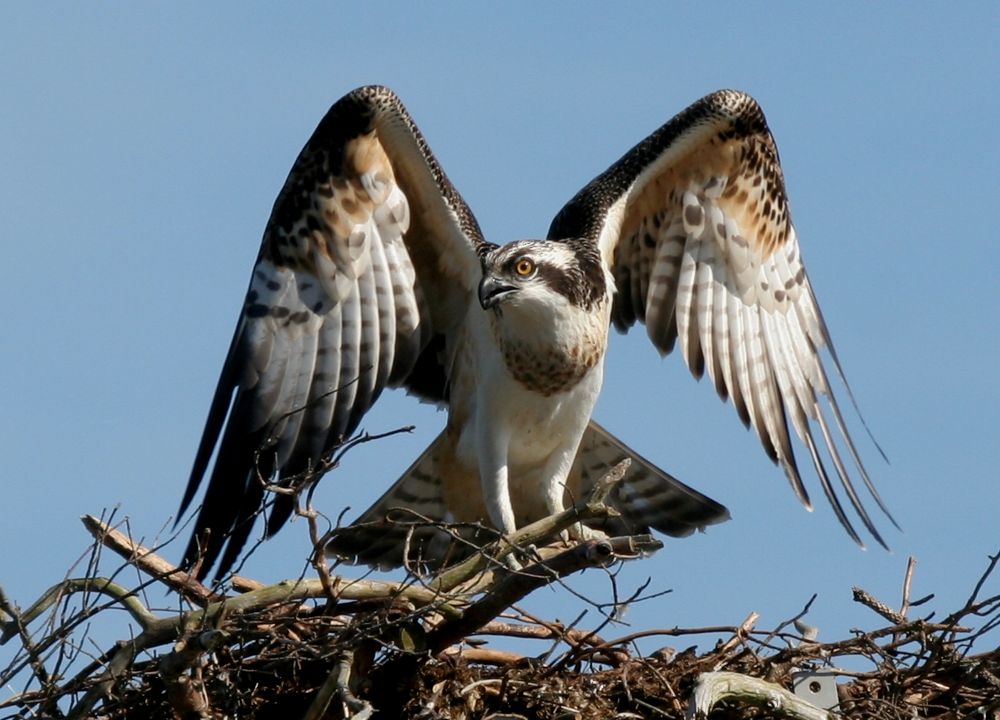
542	272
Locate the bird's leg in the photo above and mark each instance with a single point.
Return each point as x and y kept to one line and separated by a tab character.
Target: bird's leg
496	493
493	478
556	472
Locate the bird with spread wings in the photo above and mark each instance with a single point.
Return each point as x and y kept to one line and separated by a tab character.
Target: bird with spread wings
373	273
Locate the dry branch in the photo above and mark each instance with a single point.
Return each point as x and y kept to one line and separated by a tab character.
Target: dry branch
333	647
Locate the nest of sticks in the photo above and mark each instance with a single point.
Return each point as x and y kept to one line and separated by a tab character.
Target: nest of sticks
325	646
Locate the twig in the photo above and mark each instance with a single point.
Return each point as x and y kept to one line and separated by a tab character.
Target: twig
516	585
790	621
338	684
739	636
873	603
513	585
18	625
535	534
577	652
541	631
101	585
149	562
186	693
318	556
904	606
971	605
486	656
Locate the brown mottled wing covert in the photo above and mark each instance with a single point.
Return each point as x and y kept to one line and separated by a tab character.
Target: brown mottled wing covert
337	310
694	223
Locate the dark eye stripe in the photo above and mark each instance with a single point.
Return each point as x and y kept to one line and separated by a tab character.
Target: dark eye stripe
578	275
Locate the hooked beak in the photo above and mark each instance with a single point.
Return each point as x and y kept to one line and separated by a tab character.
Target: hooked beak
492	291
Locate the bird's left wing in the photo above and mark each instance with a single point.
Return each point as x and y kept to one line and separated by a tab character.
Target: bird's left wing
695	226
364	273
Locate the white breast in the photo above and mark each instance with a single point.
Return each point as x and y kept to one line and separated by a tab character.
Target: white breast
537	424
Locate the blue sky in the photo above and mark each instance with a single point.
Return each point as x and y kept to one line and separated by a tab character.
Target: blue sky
141	150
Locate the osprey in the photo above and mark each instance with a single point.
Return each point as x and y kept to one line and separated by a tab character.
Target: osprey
373	273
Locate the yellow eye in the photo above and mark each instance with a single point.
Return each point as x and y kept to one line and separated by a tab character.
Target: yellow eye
524	267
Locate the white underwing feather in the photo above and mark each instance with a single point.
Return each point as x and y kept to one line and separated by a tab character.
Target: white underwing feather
737	298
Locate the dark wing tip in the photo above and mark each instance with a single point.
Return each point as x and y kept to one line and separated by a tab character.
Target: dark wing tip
231	504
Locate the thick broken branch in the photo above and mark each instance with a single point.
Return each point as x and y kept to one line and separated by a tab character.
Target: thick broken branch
146	560
714	687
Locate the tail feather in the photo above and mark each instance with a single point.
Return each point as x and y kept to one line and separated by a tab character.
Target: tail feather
647	497
411	523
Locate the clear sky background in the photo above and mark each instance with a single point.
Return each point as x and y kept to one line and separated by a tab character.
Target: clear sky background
141	148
